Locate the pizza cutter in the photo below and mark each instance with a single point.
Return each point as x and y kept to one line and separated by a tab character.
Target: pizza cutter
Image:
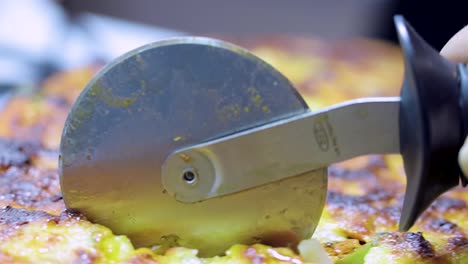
198	143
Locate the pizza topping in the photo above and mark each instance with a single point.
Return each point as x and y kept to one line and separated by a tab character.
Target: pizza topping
408	242
457	243
31	187
262	254
10	216
313	252
38	237
85	257
143	258
358	256
350	174
26	177
254	257
342	248
419	243
362	203
14	153
444	204
443	225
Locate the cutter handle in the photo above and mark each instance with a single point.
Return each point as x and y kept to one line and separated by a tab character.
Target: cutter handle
463	79
433	122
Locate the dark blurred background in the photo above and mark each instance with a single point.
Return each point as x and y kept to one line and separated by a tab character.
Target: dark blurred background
436	21
39	37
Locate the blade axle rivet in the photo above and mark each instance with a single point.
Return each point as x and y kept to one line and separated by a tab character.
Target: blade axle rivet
190	176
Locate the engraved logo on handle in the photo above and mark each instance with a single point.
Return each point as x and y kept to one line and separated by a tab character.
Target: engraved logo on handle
320	134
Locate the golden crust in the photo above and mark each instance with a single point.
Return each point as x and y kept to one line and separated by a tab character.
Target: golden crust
365	194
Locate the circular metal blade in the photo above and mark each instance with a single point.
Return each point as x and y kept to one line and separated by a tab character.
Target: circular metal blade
168	95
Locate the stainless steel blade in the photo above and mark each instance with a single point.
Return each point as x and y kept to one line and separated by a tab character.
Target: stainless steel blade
167	96
283	149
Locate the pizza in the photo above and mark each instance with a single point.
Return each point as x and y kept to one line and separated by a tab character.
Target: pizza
364	198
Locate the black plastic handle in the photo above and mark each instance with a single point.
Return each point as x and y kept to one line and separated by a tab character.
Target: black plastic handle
463	102
433	122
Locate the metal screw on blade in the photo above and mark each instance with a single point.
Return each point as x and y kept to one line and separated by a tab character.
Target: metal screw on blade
190	176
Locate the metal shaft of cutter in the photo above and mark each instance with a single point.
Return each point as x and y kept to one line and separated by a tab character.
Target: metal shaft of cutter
283	149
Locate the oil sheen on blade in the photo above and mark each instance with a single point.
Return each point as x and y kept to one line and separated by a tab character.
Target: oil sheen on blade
198	142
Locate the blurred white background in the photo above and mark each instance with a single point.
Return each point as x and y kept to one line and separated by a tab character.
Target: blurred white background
39	37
